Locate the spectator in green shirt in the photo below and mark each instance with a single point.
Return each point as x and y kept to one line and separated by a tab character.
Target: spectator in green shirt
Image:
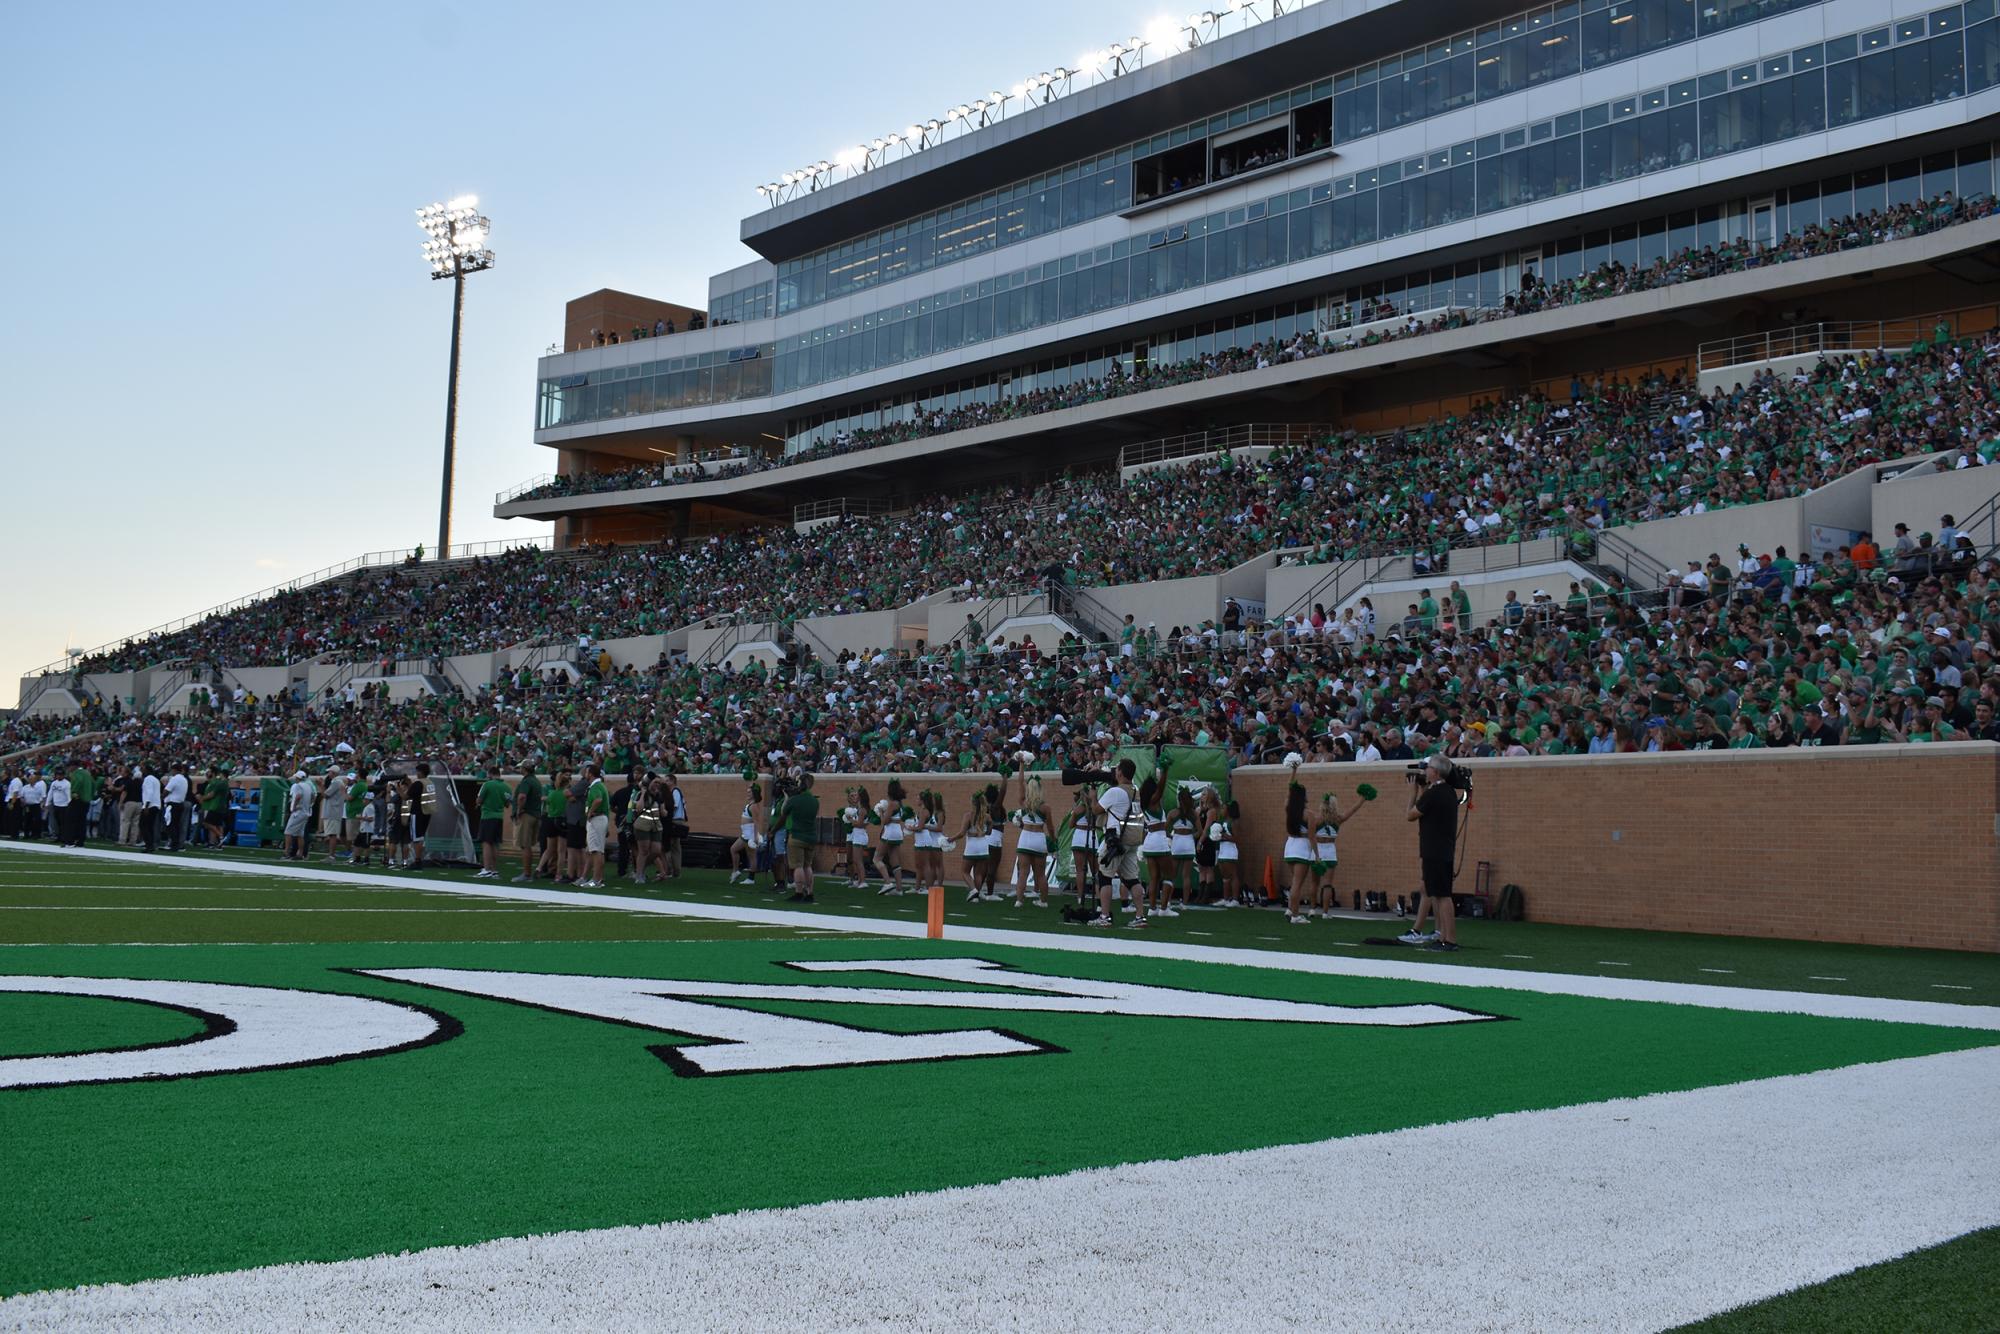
215	807
528	805
493	799
801	832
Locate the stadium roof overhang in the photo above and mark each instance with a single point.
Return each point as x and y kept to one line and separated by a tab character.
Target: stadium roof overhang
1299	47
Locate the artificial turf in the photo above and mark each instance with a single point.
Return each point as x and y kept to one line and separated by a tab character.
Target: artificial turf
1947	1289
532	1121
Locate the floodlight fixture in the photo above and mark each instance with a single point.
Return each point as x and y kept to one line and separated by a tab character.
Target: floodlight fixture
455	236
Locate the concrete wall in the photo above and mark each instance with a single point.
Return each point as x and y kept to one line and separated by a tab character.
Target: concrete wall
946	616
856	632
1647	841
1285	585
1919	498
1487	593
1845	504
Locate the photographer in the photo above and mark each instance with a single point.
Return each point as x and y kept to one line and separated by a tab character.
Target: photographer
1119	836
1434	809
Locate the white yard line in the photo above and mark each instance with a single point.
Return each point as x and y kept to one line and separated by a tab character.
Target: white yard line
1945	1013
1774	1184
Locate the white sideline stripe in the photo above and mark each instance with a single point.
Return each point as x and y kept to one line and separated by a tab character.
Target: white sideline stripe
1774	1184
522	910
1943	1013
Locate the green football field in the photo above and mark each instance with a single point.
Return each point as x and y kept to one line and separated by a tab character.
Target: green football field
478	1066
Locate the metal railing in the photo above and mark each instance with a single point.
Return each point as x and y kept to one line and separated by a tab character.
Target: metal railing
1199	443
1640	571
840	507
156	692
533	483
1804	340
371	560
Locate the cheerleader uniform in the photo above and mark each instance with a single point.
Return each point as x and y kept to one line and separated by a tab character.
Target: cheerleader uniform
1157	845
748	827
1224	839
1298	850
892	823
1181	844
1325	854
975	844
1034	832
927	834
1082	833
857	826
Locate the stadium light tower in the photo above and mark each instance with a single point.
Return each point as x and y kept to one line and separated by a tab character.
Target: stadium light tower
454	245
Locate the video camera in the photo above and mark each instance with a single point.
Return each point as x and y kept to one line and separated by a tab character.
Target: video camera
1074	777
1458	778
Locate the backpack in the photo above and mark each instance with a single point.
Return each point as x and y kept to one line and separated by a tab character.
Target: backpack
1512	905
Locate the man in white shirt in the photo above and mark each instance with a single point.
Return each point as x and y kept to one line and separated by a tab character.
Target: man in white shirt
176	809
1694	585
12	814
298	817
1114	805
150	802
34	794
58	802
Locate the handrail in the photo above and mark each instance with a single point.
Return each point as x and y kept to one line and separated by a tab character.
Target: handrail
176	678
1801	340
369	560
1628	559
1194	444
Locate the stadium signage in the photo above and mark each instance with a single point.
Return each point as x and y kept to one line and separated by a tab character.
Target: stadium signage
248	1028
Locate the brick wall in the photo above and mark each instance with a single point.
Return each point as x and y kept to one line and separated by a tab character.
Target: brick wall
1880	845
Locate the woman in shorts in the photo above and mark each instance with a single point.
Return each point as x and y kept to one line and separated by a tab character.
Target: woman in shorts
1228	858
854	819
934	818
1180	843
1083	842
1208	812
891	814
972	842
743	852
648	819
1031	848
1299	851
1157	851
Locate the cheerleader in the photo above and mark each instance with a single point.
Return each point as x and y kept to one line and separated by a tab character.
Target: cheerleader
1298	846
1205	847
855	816
1326	855
1083	843
1032	847
890	813
930	867
743	852
1157	850
1180	843
972	841
1228	860
996	839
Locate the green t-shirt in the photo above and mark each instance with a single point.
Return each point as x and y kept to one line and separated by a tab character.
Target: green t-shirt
597	801
802	817
357	797
528	795
554	803
215	795
82	787
493	796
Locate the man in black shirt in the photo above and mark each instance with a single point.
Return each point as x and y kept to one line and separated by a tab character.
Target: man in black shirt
1434	810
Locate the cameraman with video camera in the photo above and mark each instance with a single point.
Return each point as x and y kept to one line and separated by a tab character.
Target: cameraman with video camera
1119	831
1434	798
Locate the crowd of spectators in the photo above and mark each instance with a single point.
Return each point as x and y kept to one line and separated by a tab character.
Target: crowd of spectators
1386	321
1533	466
1849	651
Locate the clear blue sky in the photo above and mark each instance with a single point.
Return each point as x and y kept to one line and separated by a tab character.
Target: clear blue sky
226	357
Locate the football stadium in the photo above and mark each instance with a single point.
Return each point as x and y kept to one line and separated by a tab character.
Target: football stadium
1332	668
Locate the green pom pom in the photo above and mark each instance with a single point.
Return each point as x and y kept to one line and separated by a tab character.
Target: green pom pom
1367	792
749	775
